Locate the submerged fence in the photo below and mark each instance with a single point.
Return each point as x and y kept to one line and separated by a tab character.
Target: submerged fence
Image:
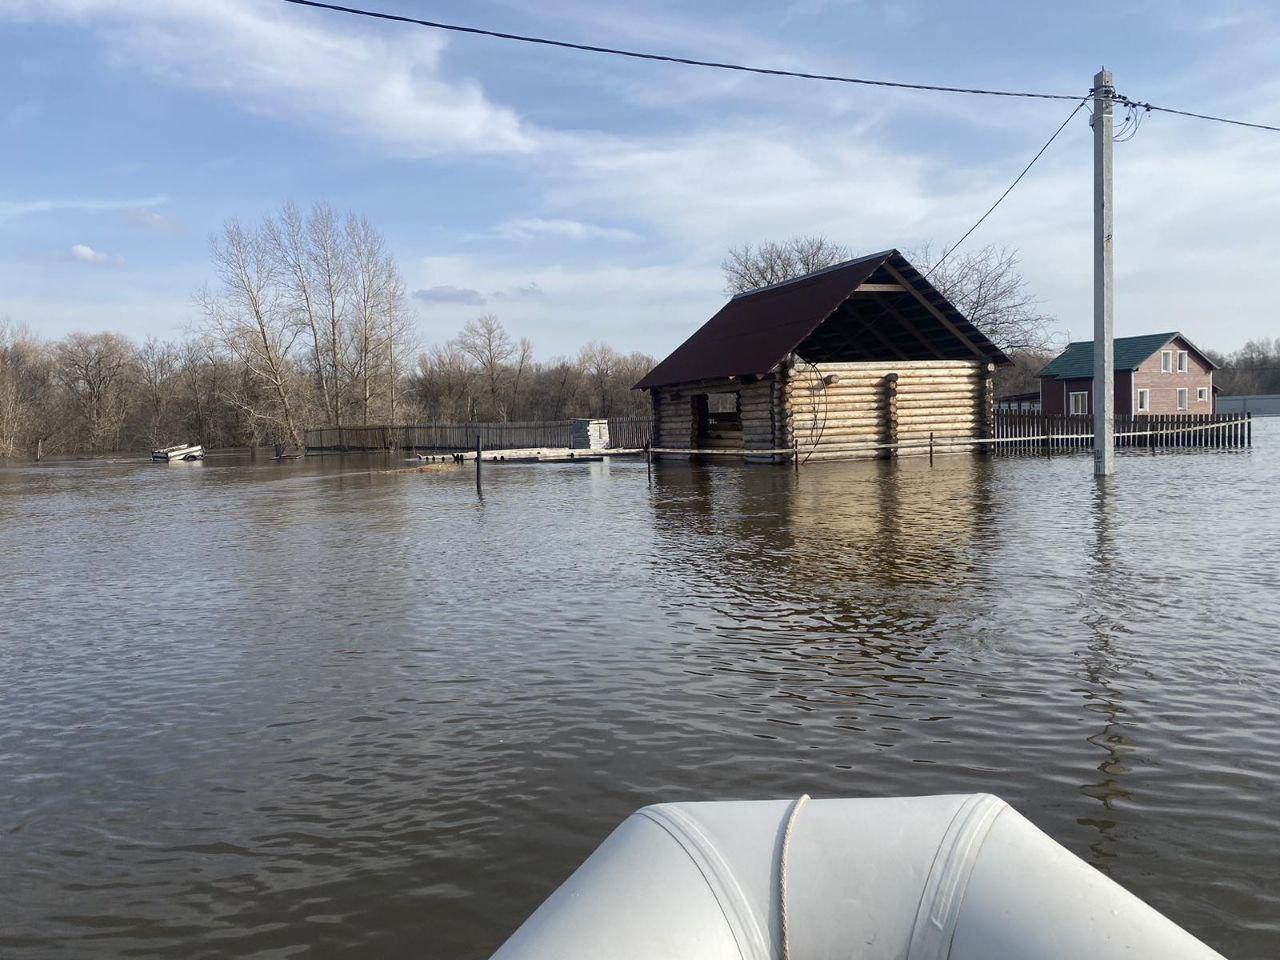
1019	432
441	436
630	433
624	433
1009	433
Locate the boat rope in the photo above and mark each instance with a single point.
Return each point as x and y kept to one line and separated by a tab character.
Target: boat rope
783	937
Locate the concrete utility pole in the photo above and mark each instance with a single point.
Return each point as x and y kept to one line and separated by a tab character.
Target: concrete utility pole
1104	399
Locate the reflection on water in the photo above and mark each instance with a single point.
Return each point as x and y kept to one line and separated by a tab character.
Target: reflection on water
314	709
1103	670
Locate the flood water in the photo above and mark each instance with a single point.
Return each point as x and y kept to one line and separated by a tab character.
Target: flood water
316	710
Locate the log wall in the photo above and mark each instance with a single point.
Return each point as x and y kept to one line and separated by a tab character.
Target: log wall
867	404
760	407
885	403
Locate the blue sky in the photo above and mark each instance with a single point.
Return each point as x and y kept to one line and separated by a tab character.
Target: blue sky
578	196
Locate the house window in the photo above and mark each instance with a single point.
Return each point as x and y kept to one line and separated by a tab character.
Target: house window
1202	394
1166	361
1182	398
1182	361
1144	401
1079	403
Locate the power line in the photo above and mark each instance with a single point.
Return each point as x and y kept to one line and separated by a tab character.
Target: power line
1199	116
1008	189
765	71
663	58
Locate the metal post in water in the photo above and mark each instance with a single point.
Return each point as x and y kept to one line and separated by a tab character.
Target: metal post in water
931	448
479	450
795	453
648	460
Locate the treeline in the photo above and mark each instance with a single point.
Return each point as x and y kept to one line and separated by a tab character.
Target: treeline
103	392
484	374
1254	368
307	324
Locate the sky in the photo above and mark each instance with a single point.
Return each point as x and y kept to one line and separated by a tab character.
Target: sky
585	197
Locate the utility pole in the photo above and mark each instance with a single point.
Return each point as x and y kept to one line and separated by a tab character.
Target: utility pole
1104	400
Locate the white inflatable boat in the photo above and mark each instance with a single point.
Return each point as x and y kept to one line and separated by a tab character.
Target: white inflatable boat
919	878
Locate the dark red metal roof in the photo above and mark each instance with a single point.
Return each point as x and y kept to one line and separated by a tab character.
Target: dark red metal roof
755	330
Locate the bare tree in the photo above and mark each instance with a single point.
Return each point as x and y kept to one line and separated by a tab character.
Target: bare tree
523	362
563	384
27	390
92	369
157	363
748	268
486	341
377	303
331	271
1254	368
599	363
289	240
444	384
987	286
251	319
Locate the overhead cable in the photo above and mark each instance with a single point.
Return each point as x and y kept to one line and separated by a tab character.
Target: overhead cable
1008	189
664	58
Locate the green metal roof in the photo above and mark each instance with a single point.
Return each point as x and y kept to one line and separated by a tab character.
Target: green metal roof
1076	362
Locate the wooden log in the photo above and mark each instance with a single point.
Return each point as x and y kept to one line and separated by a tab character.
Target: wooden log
861	378
813	423
935	415
893	366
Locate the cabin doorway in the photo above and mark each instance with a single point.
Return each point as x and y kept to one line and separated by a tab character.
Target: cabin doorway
718	421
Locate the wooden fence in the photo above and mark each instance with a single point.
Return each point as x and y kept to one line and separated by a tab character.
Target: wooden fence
1020	432
625	433
630	433
442	436
1010	432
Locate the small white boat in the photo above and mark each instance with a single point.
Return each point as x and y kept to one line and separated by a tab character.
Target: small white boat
914	878
179	451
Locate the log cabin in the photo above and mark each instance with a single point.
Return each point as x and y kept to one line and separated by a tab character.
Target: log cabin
843	363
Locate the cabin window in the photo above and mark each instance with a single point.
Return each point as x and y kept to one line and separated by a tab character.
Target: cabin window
1182	398
1202	394
1079	403
722	403
1182	361
1166	361
1144	401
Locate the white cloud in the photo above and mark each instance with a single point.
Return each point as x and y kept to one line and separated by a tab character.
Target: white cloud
307	66
557	228
13	209
86	254
447	293
714	188
650	308
151	220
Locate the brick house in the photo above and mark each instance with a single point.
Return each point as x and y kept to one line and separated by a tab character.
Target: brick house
1157	373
